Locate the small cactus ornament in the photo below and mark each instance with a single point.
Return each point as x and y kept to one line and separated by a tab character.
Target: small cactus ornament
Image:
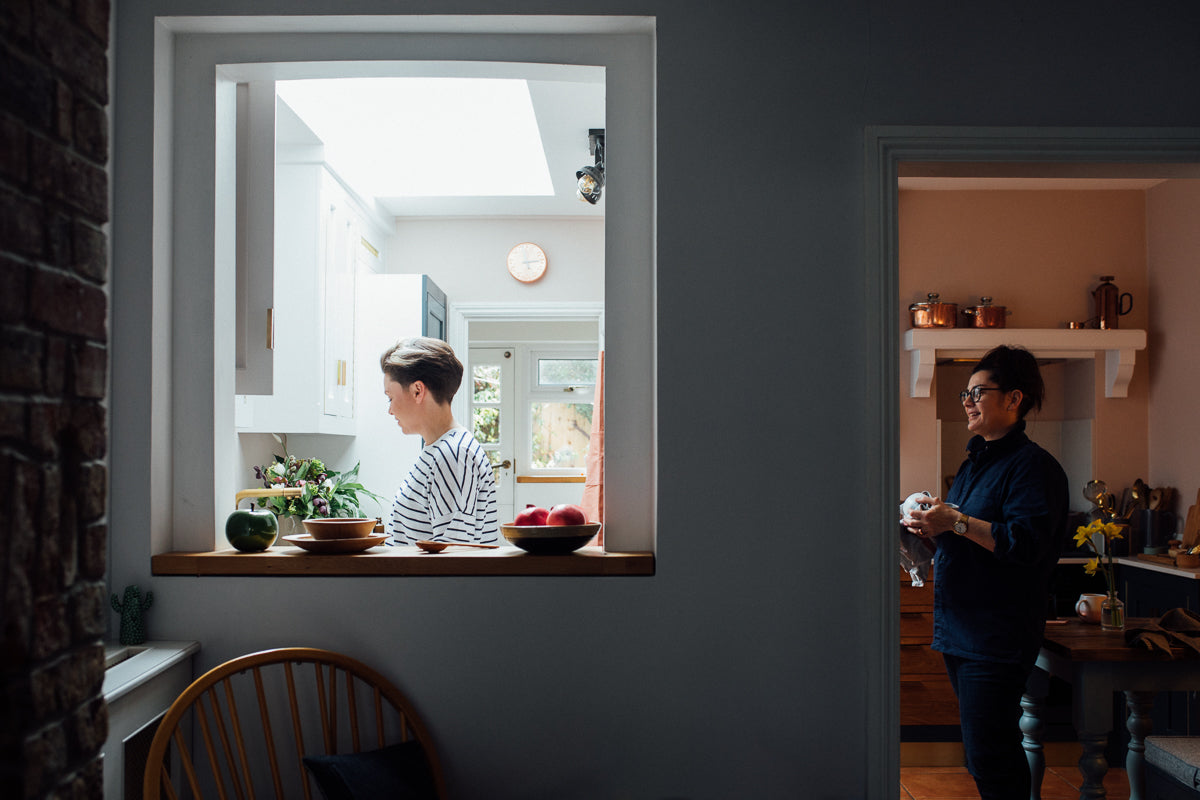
133	614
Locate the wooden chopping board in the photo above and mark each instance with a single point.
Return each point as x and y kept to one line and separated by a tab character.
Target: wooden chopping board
1191	525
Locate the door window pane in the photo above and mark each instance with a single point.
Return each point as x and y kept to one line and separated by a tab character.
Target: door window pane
487	425
567	371
560	434
486	379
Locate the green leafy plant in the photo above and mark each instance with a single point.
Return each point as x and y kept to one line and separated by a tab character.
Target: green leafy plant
326	492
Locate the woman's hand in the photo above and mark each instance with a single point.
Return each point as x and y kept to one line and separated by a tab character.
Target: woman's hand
936	520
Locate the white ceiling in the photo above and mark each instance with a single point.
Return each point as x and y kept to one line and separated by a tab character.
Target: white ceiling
567	101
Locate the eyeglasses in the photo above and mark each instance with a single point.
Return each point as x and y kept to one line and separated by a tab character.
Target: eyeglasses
976	394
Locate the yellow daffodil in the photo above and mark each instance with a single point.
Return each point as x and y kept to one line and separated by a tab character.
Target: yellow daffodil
1085	537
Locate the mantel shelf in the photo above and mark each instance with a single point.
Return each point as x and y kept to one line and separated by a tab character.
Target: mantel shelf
929	345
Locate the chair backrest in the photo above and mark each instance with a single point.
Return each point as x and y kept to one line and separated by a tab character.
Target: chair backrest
253	719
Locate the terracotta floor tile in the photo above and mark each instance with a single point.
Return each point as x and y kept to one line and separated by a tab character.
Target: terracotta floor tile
938	783
1116	782
1056	787
954	783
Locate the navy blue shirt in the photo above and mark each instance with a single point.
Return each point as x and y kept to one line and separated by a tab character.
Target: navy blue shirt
992	606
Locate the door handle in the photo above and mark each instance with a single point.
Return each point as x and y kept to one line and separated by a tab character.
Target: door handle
505	464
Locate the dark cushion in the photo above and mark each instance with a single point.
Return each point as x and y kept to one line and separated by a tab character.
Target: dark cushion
399	771
1177	757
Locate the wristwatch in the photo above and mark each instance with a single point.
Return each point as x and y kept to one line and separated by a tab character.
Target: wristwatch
960	527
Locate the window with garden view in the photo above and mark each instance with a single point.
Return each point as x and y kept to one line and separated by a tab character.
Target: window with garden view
552	410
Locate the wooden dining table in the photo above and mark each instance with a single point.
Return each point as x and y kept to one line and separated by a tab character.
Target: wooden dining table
1097	663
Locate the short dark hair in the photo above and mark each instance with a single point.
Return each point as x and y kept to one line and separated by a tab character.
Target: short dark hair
1015	368
430	361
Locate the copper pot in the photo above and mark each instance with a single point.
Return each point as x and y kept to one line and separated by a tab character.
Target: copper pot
986	315
934	314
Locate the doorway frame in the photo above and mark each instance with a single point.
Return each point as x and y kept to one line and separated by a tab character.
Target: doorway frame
886	148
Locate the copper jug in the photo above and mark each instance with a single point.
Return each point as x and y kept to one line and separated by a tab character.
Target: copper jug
1111	304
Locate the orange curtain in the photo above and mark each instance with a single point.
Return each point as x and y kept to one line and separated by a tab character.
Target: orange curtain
593	485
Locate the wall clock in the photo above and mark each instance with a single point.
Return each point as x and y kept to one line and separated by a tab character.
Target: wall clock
526	262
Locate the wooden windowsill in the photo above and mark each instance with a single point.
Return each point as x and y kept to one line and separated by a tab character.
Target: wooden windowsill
551	479
403	561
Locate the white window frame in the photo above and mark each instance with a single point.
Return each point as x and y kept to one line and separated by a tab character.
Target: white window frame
531	391
189	426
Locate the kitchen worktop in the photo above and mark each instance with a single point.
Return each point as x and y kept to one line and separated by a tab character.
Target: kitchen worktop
1141	563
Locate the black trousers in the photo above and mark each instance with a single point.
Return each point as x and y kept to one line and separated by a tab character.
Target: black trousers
989	711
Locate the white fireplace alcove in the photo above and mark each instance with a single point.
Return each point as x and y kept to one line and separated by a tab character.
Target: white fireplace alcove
1119	348
1074	363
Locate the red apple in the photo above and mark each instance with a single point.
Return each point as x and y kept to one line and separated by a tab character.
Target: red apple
531	515
566	514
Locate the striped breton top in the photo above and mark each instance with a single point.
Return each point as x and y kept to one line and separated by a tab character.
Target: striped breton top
449	494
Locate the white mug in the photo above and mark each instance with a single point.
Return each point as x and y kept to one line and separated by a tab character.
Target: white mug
1088	607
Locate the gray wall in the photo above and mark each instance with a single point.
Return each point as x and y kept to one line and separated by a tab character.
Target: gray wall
741	669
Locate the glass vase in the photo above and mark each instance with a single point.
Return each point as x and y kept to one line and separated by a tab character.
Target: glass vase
1112	613
290	525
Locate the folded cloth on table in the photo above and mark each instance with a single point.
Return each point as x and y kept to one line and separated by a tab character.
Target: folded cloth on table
1179	626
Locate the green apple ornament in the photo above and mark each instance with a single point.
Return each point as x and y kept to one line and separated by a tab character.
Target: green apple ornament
253	530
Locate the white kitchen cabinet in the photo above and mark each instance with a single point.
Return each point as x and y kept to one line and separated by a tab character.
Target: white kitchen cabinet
323	237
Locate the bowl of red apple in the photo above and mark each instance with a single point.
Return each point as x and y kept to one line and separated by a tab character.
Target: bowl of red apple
558	530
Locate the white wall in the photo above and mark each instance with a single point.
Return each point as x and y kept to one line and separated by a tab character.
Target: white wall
466	258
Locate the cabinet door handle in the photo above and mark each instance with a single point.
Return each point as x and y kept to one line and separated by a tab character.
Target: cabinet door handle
270	329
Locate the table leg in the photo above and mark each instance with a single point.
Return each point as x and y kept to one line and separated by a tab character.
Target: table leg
1032	728
1093	765
1139	725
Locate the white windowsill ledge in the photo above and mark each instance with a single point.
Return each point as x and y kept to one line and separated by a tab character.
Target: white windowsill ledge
133	666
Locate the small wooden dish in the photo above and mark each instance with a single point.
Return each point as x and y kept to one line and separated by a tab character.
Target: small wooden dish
1188	560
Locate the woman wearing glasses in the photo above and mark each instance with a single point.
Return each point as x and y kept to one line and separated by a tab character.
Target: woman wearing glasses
995	555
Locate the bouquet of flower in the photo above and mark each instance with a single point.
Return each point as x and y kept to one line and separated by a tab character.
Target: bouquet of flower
1085	536
326	493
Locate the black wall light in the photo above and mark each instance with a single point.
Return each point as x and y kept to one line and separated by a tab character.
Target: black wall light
591	178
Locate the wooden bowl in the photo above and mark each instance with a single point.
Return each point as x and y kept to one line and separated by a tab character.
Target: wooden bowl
339	527
550	539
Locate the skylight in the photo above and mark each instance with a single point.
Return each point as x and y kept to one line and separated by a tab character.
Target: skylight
426	137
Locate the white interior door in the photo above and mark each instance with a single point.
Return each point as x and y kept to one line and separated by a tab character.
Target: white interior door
491	409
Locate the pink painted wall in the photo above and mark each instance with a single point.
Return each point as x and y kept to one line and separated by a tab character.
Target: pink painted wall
1173	236
1040	253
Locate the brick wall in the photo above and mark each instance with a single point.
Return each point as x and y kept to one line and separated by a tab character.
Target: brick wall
53	419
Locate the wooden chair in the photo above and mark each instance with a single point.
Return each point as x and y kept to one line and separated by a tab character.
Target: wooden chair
255	718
